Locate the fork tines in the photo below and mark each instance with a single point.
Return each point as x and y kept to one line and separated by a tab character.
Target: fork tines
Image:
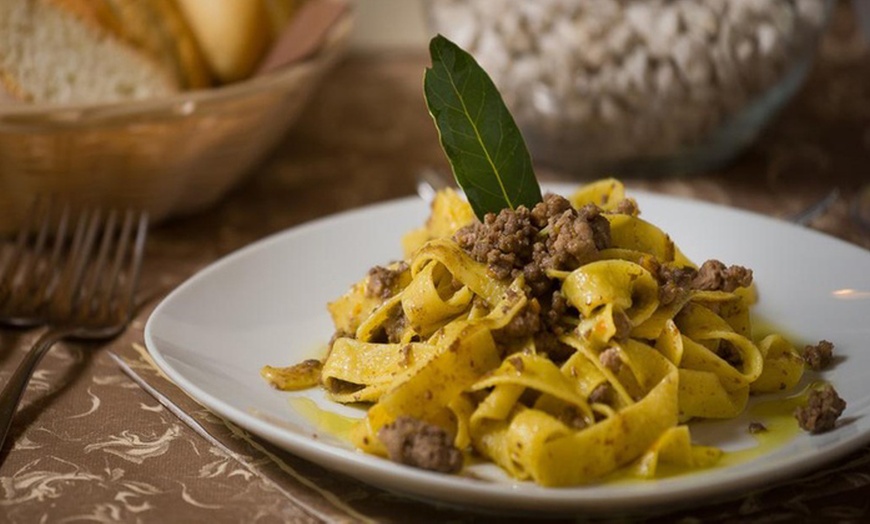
102	265
26	266
60	258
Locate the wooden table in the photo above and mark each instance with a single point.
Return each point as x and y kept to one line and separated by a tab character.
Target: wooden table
91	445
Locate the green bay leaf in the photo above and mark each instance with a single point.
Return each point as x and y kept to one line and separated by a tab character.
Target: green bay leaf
482	142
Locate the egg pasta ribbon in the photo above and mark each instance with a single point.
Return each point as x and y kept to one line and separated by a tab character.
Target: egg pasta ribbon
560	373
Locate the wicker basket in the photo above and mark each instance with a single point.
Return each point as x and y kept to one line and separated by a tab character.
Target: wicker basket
170	156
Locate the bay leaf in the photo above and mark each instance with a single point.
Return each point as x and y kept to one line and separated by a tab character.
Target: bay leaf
483	144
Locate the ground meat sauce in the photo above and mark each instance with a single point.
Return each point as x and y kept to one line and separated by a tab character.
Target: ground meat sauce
552	235
416	443
574	238
392	329
627	206
524	324
571	417
382	281
675	282
729	353
395	324
715	276
602	394
819	356
556	236
610	359
757	427
623	325
824	406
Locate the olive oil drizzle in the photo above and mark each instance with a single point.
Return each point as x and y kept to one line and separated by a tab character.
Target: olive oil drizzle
776	415
324	421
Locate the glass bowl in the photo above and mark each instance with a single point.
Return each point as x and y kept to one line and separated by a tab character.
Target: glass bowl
638	87
170	156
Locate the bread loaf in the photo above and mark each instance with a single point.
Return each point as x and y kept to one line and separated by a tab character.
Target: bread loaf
235	34
158	29
86	51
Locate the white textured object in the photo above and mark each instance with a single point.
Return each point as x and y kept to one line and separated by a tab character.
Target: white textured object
642	78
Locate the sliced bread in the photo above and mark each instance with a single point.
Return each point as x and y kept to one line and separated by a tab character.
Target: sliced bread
98	51
69	51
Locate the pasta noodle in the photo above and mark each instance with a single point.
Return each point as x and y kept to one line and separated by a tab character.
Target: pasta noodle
561	367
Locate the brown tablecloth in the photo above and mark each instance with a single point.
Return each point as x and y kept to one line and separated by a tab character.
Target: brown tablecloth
90	444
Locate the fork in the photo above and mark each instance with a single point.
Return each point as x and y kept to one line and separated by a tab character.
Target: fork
89	295
23	276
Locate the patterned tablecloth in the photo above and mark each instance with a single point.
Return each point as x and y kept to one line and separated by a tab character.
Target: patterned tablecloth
103	437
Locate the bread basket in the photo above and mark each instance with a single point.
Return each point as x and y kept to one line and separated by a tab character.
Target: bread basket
170	156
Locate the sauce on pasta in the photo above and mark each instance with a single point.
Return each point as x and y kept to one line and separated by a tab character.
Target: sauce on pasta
568	344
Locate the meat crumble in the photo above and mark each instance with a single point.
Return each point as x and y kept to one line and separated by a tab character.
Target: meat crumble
610	359
756	427
716	276
602	394
728	352
674	282
571	417
552	235
419	444
824	406
382	281
819	356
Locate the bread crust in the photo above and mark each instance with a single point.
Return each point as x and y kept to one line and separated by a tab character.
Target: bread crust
236	35
233	34
156	28
49	49
161	39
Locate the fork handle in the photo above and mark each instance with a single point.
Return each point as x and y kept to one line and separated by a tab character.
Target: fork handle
17	384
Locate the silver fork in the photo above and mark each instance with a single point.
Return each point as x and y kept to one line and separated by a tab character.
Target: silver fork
89	295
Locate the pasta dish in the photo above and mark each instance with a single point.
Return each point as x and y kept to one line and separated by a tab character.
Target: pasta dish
561	343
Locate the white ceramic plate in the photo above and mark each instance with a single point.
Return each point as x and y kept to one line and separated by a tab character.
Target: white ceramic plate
266	305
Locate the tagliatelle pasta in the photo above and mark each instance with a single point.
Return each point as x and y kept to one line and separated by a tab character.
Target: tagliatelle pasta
561	343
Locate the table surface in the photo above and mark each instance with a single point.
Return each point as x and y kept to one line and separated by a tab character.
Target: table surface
90	444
